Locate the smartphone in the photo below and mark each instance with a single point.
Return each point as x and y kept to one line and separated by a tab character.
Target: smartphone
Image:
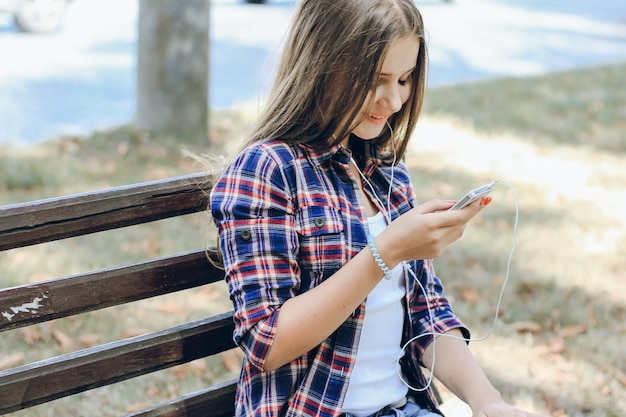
473	195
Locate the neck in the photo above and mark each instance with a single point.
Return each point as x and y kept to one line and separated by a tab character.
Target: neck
368	205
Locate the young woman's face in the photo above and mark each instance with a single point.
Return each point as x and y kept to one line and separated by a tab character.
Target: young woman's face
393	89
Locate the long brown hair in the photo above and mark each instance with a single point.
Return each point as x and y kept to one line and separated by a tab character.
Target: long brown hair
331	60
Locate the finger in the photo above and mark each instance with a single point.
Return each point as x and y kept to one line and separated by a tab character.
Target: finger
433	206
477	205
456	217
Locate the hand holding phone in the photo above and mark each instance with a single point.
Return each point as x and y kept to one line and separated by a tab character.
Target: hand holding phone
473	195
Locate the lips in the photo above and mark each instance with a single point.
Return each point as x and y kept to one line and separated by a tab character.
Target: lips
377	119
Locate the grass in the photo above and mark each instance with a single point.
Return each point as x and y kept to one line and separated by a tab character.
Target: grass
560	141
584	108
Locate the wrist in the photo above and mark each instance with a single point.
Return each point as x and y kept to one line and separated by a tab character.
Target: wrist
385	250
484	399
377	257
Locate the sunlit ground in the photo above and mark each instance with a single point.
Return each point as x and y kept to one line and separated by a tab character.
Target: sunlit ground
562	315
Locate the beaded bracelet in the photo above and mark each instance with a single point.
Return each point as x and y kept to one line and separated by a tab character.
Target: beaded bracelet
377	258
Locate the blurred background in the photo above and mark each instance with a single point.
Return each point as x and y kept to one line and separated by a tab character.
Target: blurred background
82	75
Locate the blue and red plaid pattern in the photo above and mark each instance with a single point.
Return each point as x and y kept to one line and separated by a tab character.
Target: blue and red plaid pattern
289	217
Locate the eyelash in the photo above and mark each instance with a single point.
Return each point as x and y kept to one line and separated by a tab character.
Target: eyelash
402	82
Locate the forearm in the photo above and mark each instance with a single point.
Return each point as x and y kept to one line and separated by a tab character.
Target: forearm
458	370
309	318
321	310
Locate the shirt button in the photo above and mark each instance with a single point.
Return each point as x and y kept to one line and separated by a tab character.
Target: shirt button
320	221
246	234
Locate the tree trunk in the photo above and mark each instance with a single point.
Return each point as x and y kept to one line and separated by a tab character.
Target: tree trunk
173	68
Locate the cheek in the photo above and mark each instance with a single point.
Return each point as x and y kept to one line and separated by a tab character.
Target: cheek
405	93
368	103
365	108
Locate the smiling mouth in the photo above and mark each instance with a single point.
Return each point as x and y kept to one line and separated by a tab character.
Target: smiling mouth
377	118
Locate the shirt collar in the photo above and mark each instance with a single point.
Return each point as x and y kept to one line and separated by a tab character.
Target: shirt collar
339	152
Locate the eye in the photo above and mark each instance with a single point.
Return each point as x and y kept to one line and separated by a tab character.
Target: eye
408	78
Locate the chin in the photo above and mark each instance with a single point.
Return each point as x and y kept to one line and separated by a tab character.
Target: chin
367	134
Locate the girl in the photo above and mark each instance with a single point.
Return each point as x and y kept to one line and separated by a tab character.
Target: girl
326	253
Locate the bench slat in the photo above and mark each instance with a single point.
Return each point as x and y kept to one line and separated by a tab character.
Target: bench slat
216	401
46	380
79	214
29	304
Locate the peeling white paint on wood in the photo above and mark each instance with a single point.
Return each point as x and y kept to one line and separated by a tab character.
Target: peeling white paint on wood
30	307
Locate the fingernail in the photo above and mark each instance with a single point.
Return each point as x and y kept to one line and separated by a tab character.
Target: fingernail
485	201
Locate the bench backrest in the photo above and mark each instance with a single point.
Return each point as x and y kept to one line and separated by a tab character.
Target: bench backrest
60	218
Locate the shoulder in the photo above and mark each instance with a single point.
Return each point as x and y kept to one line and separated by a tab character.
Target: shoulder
264	155
398	173
401	171
263	164
274	149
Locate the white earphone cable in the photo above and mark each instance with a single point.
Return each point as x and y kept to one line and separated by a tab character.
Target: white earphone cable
387	215
428	307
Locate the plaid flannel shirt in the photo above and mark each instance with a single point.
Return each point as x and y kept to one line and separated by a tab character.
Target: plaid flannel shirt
289	217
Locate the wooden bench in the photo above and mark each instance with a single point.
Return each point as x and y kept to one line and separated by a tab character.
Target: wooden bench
57	377
49	220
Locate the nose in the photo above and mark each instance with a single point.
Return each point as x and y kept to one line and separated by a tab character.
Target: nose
391	97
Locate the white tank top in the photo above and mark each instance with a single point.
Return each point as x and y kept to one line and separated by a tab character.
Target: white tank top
374	382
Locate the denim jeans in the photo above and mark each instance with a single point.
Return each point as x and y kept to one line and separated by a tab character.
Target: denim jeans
410	409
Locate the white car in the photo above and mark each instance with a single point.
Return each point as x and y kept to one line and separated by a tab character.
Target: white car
36	15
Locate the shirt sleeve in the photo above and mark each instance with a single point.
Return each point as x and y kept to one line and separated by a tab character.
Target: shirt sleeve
253	212
431	311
